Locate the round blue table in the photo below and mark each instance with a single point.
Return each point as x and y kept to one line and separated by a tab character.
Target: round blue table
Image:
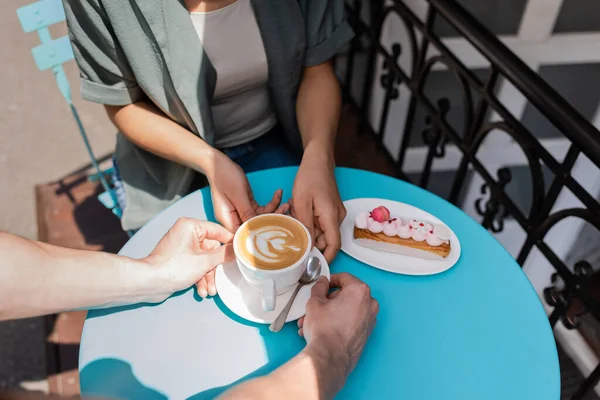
476	331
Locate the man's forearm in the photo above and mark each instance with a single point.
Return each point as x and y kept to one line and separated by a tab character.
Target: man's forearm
37	279
146	126
312	374
318	108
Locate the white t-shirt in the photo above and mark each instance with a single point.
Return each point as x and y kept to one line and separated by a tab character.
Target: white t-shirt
241	106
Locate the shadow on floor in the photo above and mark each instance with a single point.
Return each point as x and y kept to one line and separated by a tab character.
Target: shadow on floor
70	215
98	225
22	352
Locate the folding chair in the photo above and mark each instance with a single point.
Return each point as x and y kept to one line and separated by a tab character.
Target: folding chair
51	54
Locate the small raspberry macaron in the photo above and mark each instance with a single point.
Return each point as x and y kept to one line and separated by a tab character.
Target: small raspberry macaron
380	214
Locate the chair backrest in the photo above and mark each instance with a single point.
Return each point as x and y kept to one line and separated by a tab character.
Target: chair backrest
51	54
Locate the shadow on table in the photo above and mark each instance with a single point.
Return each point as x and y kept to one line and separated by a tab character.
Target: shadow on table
101	312
109	377
113	378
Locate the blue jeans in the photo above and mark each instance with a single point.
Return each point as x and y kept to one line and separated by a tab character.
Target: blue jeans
271	150
268	151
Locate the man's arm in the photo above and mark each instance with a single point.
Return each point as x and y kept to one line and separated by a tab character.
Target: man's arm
38	278
309	375
336	328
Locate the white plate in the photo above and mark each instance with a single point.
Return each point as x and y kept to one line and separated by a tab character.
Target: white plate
393	262
245	301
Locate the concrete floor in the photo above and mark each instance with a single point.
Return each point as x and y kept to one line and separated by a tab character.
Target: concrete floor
22	353
39	141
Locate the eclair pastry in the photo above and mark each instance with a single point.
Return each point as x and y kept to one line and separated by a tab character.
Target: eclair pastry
412	237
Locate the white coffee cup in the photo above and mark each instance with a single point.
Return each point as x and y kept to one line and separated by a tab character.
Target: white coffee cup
271	282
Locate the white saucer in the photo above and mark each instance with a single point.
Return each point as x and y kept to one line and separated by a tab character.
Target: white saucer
392	262
245	301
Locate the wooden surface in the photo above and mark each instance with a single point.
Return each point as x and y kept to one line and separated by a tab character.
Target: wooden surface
70	215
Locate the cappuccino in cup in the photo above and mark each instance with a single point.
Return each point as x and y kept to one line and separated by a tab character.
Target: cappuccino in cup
272	242
271	252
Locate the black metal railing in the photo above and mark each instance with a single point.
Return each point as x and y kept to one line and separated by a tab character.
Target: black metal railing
479	101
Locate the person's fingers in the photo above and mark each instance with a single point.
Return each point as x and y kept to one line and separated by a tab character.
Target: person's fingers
304	213
202	288
342	212
229	218
371	327
228	253
210	282
301	332
321	242
283	209
375	306
243	206
343	279
333	294
223	254
209	245
321	288
214	254
293	213
300	322
212	231
225	212
319	239
331	231
271	206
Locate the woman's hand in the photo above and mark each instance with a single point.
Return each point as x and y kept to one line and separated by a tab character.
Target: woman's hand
233	204
233	201
316	201
189	251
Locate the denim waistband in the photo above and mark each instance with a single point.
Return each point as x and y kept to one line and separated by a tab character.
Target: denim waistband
271	137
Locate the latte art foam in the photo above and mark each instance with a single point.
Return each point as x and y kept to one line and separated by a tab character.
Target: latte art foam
272	242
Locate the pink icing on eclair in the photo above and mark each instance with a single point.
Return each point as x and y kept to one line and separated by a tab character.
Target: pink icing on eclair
379	220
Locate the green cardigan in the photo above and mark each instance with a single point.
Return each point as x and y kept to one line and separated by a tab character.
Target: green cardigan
130	50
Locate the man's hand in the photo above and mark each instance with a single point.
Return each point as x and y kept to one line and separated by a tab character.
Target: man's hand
337	325
232	197
188	252
38	278
316	201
